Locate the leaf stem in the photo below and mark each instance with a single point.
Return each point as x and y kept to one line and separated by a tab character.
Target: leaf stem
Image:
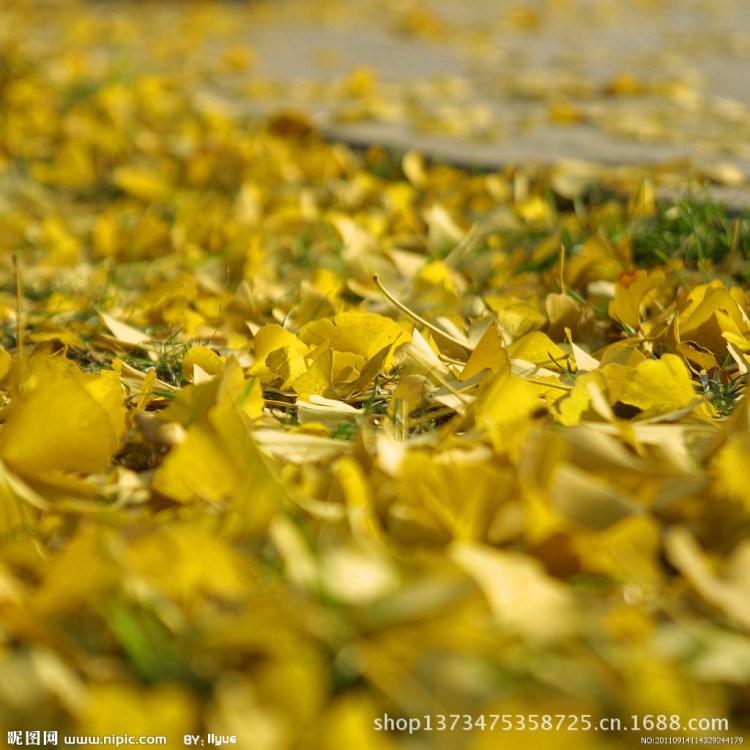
418	319
19	306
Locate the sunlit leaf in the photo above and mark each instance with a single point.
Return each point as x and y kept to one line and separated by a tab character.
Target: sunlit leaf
300	430
631	290
504	409
126	709
61	419
362	334
659	386
489	354
519	594
141	182
729	592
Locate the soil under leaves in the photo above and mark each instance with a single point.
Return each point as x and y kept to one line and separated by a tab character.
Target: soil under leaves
293	435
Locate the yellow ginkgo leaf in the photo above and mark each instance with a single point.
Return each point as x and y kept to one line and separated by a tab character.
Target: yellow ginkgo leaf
631	290
588	500
318	377
279	355
228	389
204	358
219	463
5	362
519	593
538	348
124	333
462	497
710	312
364	334
627	550
141	182
659	386
166	560
576	405
61	419
564	313
16	499
64	588
438	288
490	354
728	592
361	514
443	233
167	709
517	316
356	574
729	468
504	409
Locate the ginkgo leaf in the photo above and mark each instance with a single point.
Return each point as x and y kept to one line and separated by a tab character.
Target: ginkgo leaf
123	331
227	389
318	378
727	593
724	657
519	593
362	334
421	359
304	439
709	312
631	290
296	447
518	316
564	313
126	709
463	497
538	348
141	182
627	550
219	463
63	589
443	233
357	575
504	409
588	500
728	463
5	361
201	356
278	354
166	560
16	500
489	354
199	468
573	407
325	411
64	336
158	431
62	419
380	364
361	511
659	386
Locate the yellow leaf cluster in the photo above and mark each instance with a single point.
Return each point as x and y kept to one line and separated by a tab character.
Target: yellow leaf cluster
294	435
60	419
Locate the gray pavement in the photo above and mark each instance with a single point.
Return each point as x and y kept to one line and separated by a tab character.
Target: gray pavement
497	82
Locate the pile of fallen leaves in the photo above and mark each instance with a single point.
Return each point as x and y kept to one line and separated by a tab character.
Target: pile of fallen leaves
292	436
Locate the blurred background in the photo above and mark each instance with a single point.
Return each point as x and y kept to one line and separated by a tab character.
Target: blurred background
484	81
499	82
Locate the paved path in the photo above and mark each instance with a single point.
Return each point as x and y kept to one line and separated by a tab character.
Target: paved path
490	82
493	82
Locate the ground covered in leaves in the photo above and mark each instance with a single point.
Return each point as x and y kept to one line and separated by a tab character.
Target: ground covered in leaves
293	435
